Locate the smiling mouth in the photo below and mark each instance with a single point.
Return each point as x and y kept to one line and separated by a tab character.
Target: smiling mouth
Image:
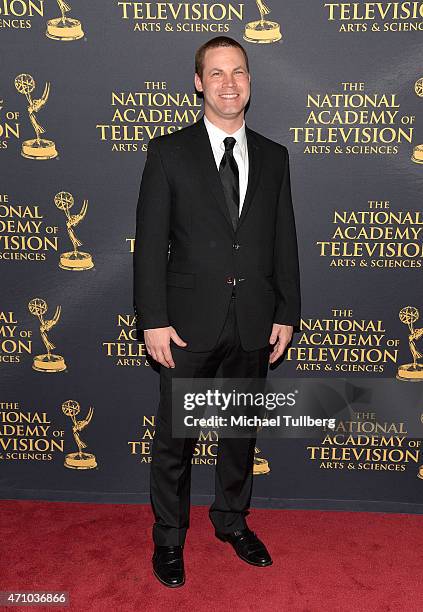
229	96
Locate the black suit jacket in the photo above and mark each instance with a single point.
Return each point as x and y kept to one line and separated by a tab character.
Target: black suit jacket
187	253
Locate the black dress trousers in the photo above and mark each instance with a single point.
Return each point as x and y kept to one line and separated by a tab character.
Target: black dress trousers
170	475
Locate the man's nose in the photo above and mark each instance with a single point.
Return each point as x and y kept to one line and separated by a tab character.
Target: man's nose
228	80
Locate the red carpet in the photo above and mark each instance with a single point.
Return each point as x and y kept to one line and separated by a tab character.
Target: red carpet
332	561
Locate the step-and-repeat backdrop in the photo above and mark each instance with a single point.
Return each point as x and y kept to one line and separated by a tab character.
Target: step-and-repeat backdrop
83	88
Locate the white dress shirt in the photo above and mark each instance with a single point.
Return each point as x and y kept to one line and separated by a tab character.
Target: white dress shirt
217	136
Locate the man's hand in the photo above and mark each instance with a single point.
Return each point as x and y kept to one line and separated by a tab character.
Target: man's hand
281	335
157	342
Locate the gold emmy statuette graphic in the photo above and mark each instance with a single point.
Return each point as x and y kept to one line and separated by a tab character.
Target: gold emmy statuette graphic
411	372
48	362
262	31
73	260
417	156
418	87
36	148
420	472
79	460
261	466
64	28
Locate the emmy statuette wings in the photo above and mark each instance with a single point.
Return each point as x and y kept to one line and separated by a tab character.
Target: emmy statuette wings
411	372
78	460
48	362
37	148
73	260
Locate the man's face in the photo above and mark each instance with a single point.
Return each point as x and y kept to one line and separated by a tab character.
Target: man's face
225	82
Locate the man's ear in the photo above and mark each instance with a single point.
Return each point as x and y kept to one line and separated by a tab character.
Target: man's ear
198	83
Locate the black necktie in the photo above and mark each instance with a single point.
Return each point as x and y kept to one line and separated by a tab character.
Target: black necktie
229	176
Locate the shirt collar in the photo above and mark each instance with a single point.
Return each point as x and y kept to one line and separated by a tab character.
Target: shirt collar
217	135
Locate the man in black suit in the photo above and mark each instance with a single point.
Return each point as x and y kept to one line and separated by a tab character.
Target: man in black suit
216	285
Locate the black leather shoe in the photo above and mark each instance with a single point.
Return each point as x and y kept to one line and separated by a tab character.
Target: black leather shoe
168	565
247	546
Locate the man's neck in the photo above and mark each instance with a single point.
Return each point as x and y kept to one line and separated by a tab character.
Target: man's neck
230	126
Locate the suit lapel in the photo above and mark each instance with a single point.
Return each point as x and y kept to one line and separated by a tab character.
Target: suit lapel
204	159
254	167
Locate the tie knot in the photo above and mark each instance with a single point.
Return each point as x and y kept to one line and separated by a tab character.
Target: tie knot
229	143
